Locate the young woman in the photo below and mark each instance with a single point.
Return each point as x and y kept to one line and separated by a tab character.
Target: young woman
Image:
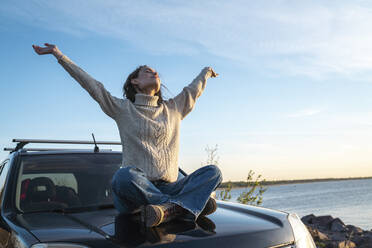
148	179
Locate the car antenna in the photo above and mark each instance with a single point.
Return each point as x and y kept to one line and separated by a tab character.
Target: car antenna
96	149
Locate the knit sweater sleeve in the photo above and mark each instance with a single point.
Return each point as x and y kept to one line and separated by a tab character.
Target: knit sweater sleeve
108	103
185	101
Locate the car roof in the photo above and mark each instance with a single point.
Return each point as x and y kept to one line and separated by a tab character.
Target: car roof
67	151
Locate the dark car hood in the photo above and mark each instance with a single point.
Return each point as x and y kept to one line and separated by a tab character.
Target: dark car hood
232	225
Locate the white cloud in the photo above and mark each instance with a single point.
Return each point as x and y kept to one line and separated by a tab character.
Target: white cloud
305	112
312	38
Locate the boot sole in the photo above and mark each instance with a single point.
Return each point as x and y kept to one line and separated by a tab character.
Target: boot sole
151	215
210	207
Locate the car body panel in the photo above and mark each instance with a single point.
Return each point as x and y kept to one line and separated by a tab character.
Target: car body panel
232	225
226	226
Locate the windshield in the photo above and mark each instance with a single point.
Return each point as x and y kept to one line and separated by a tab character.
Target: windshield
65	181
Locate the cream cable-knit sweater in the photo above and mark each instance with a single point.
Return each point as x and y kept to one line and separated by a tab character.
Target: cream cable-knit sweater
149	132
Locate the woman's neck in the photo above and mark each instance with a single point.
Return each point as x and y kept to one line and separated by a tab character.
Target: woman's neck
148	91
146	100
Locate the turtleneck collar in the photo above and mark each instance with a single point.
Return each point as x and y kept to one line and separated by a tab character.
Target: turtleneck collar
146	100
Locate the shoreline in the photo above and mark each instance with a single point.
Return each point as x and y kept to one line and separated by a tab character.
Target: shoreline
242	184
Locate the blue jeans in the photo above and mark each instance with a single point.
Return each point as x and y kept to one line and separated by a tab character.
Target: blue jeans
132	189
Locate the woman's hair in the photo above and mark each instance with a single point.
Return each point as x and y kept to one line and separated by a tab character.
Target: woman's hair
129	90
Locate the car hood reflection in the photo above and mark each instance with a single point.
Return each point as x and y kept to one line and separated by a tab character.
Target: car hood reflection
231	225
130	232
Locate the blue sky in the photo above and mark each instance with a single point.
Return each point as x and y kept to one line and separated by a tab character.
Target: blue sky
293	99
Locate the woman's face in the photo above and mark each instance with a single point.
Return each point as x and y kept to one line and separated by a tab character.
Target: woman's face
148	80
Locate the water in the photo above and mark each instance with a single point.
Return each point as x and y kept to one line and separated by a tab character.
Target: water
349	200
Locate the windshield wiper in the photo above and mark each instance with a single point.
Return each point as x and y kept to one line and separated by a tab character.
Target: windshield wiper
73	209
56	210
106	206
89	208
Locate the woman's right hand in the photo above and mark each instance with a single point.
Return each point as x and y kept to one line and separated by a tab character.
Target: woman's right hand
210	72
48	49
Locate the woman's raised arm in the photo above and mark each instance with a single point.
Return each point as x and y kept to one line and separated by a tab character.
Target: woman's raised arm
109	104
185	100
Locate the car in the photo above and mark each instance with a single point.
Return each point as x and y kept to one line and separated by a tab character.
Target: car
62	198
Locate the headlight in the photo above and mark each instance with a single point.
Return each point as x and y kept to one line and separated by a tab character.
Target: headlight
58	245
302	236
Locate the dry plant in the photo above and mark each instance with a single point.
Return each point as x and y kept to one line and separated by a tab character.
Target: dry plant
253	195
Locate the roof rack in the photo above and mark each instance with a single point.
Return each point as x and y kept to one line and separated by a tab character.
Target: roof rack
49	149
22	142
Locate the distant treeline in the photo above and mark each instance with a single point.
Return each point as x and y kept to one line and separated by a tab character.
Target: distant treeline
276	182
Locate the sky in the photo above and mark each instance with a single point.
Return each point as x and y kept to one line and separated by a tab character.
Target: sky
292	100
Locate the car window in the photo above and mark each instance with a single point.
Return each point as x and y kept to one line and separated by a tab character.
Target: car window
57	181
180	175
3	174
2	164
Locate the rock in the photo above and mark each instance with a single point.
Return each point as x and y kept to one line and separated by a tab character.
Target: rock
317	235
365	245
362	242
346	244
367	241
328	232
323	221
308	219
337	226
322	236
337	236
331	245
353	229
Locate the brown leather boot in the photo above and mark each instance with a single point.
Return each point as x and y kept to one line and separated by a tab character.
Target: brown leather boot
210	207
154	215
